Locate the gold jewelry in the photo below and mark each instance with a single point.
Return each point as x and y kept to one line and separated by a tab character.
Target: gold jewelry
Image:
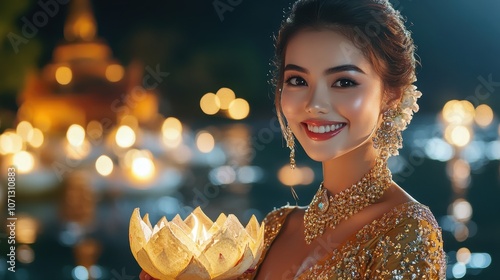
326	211
388	137
290	143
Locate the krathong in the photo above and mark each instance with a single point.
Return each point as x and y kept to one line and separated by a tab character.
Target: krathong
195	248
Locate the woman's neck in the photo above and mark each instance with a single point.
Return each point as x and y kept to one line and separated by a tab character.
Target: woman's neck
344	171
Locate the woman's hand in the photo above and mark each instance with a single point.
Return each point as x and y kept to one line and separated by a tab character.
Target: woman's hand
145	276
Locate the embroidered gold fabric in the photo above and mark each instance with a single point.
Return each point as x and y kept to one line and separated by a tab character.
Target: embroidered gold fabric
405	243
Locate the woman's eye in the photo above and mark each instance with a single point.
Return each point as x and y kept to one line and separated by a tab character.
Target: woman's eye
345	83
296	81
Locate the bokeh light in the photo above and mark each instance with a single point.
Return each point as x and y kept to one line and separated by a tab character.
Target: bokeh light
462	210
457	135
289	177
458	112
26	229
463	255
25	130
205	141
75	135
24	161
10	143
143	167
125	136
104	165
172	132
484	115
37	138
64	75
210	104
239	109
226	96
114	72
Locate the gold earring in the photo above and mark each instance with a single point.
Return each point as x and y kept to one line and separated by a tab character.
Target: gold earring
290	143
388	137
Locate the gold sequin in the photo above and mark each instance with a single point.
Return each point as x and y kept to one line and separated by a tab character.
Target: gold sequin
405	243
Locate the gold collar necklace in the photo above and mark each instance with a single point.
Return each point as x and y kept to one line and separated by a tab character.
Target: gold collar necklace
326	211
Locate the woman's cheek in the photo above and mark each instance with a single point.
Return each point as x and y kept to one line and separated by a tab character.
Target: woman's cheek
289	104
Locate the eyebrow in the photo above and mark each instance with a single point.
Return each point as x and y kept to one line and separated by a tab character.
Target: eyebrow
332	70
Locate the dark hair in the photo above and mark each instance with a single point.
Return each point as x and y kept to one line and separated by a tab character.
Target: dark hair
372	25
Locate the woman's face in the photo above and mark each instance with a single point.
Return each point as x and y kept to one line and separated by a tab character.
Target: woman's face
331	96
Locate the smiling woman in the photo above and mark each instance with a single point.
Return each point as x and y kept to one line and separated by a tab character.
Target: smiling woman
344	90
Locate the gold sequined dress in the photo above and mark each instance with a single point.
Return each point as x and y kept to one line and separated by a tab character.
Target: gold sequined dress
405	243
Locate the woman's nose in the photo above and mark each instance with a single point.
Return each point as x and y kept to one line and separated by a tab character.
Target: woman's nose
318	102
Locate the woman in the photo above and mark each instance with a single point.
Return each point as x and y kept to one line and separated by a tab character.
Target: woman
344	90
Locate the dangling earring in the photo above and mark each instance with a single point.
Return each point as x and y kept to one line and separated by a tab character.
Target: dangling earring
388	137
290	143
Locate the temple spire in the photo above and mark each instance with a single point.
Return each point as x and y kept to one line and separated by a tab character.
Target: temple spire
80	24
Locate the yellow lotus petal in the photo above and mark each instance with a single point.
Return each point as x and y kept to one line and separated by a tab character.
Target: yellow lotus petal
197	216
194	270
147	265
180	223
161	223
241	266
223	253
166	253
221	220
146	220
235	229
139	233
184	238
252	228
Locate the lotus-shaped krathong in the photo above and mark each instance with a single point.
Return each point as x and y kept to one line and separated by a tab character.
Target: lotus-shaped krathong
195	248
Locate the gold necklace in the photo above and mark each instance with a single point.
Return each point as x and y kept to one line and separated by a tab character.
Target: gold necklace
327	211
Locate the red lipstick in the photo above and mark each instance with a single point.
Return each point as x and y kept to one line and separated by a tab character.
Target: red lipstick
321	130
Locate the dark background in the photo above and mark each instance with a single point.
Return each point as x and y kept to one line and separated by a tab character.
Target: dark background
458	42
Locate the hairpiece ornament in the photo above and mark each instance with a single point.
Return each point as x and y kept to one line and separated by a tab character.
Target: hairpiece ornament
388	136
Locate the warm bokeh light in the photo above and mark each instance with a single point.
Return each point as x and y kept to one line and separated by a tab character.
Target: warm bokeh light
463	255
125	136
10	143
210	104
239	109
143	167
457	135
461	232
24	161
78	152
297	176
25	130
458	112
114	72
205	142
37	138
462	210
75	135
171	132
104	165
484	115
289	177
64	75
25	254
307	175
94	130
26	229
460	169
226	96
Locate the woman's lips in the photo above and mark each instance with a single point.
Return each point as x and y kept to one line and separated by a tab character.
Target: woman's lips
322	130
